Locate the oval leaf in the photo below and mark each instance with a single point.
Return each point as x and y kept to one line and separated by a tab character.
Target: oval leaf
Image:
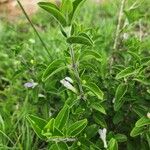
54	11
125	73
79	40
121	137
37	125
137	130
120	92
76	4
77	127
113	144
98	107
95	89
62	117
142	122
54	67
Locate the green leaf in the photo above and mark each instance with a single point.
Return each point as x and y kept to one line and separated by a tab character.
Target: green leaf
37	124
49	127
118	117
98	107
120	92
77	127
139	110
135	56
142	80
113	145
66	6
136	131
86	36
99	119
95	89
133	15
79	40
142	122
54	67
76	5
57	133
91	131
54	11
121	137
59	146
62	117
90	54
125	73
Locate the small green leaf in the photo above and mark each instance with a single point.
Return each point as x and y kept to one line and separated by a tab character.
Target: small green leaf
76	5
120	92
95	89
77	127
136	131
125	73
143	121
49	127
99	119
113	145
79	40
139	110
54	11
86	36
98	107
37	124
54	67
121	137
57	133
90	54
91	131
62	117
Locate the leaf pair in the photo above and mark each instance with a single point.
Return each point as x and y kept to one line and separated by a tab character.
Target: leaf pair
60	13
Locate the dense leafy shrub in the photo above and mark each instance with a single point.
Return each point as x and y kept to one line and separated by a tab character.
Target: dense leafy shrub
102	99
92	92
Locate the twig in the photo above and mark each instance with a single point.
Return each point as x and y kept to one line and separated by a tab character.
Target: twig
26	15
58	139
76	73
140	30
119	25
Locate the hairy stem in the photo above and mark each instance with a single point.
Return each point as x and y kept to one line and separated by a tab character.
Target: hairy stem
26	15
76	72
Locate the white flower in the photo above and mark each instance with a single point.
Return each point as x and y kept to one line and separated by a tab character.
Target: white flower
102	133
69	79
41	95
113	101
148	115
67	84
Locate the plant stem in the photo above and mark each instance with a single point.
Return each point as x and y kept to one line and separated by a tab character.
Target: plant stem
26	15
76	72
119	24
